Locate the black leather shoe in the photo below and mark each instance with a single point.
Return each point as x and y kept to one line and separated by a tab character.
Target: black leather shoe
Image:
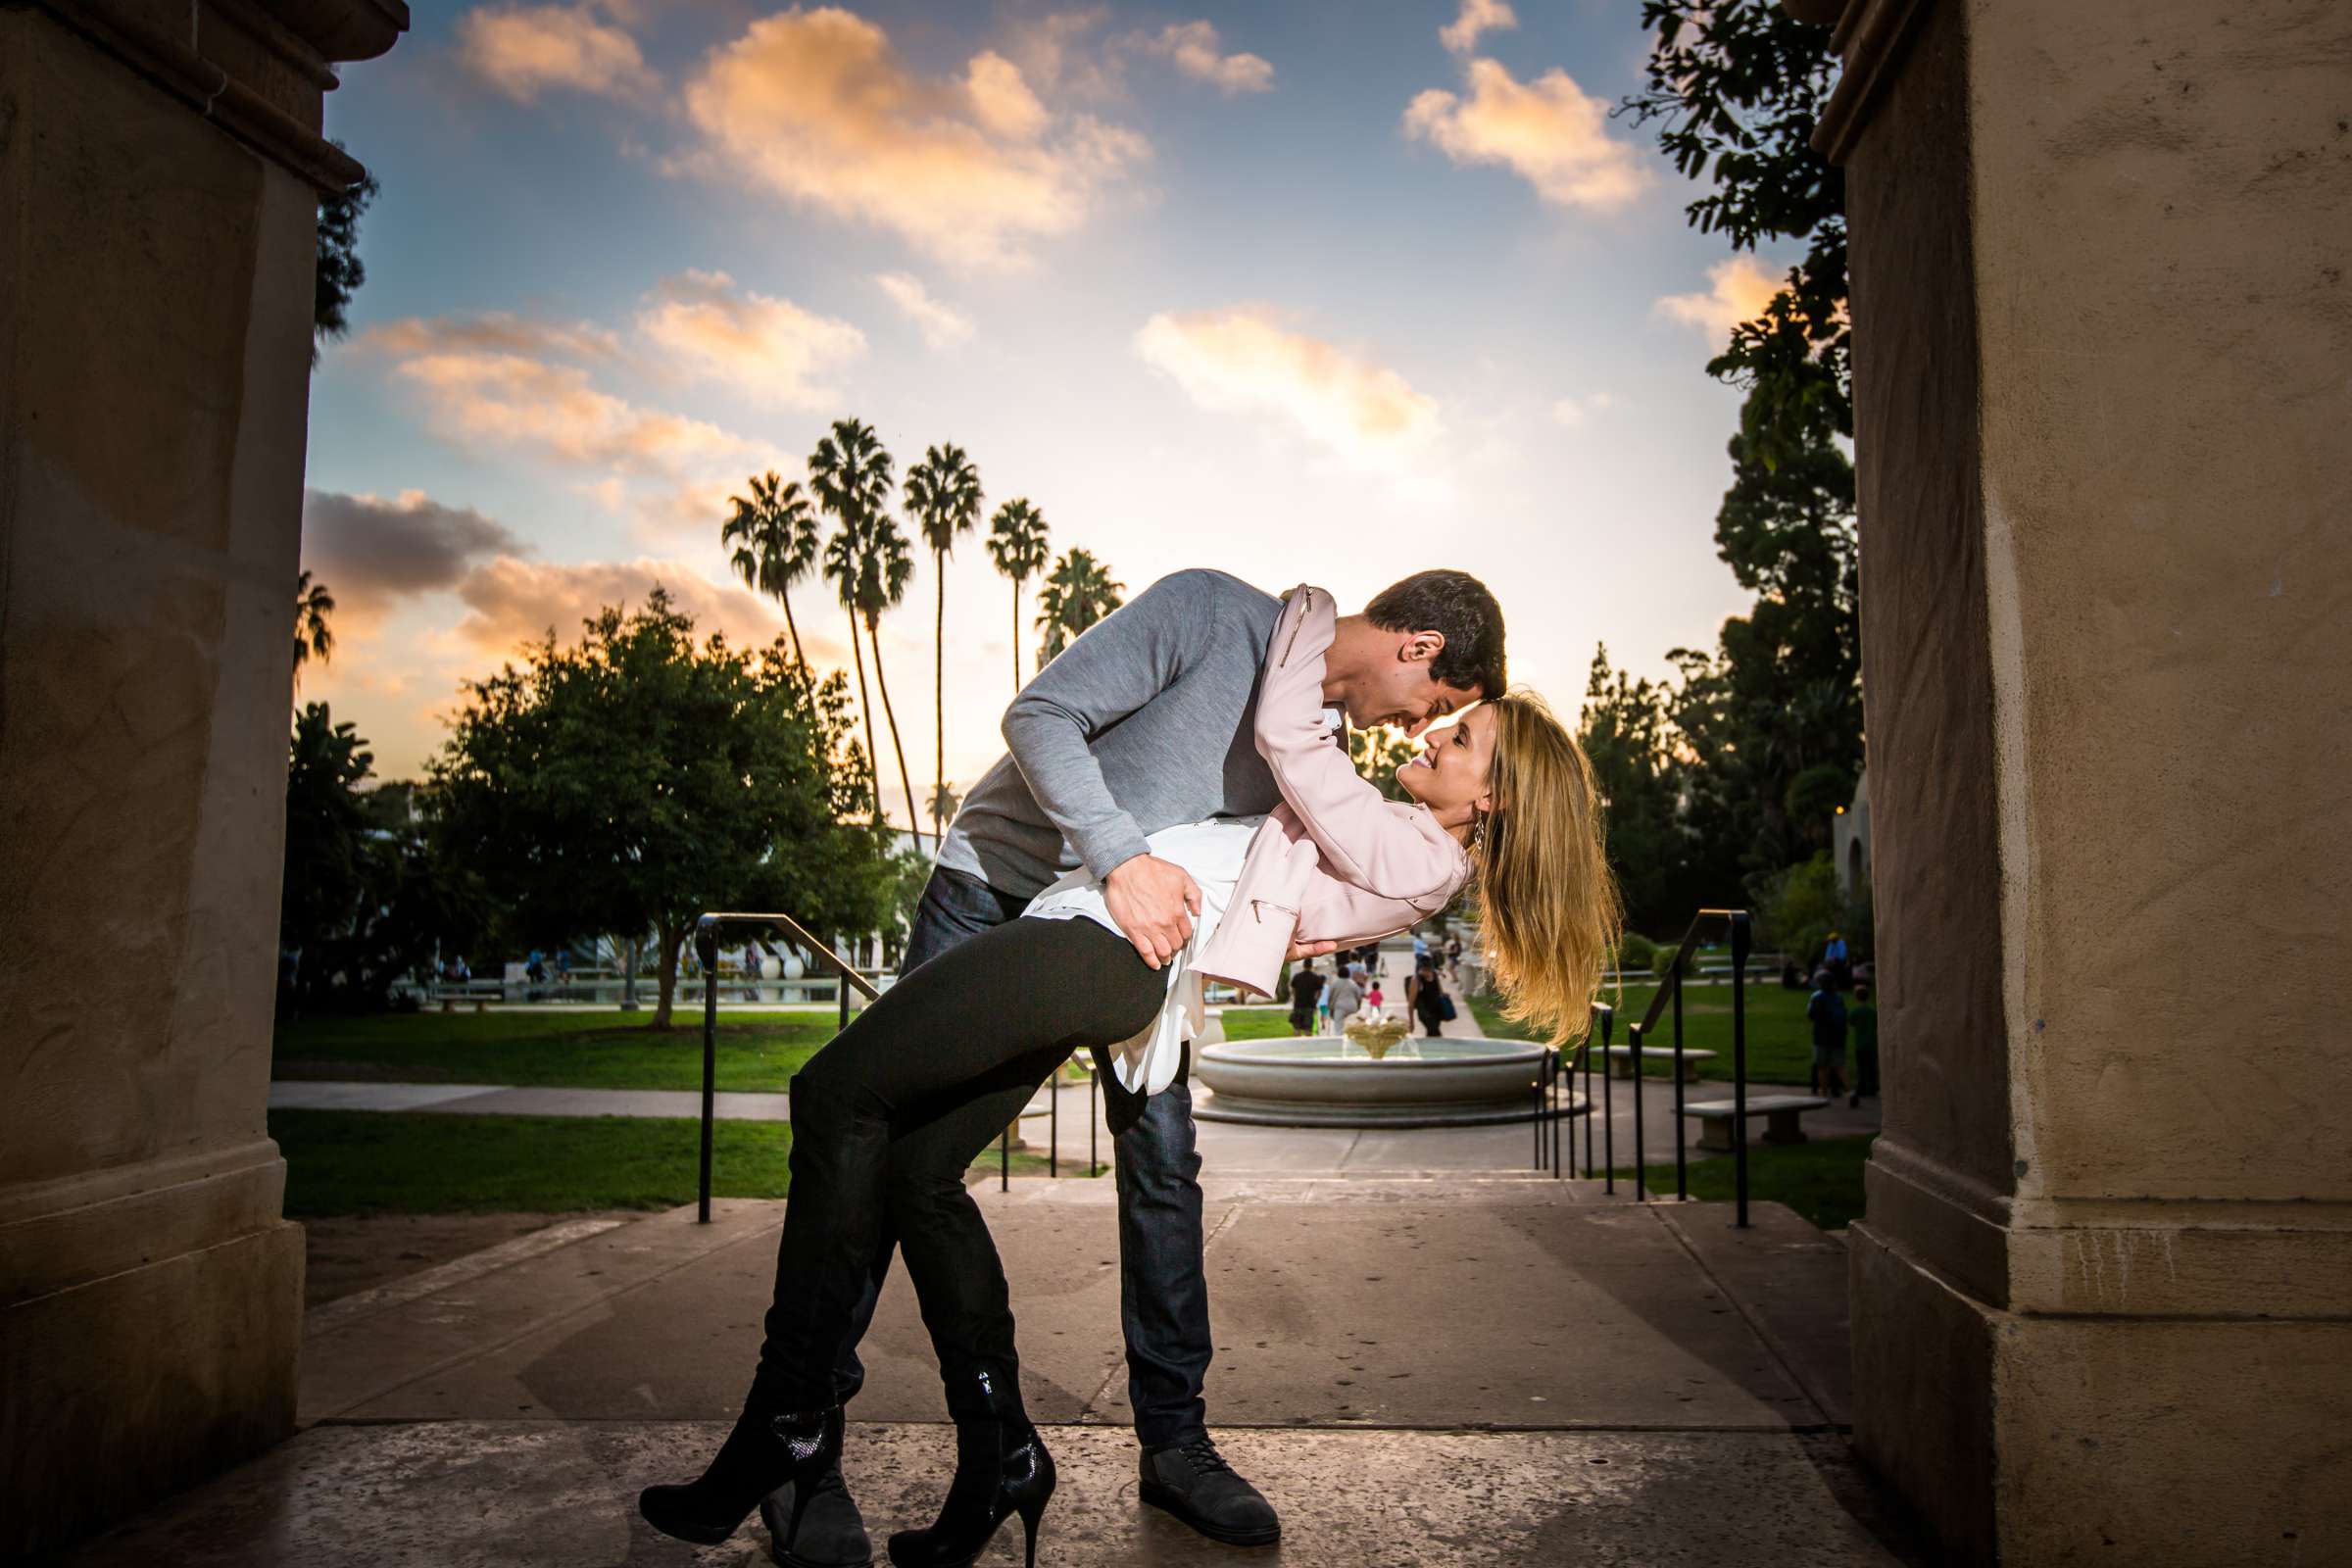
832	1535
1192	1481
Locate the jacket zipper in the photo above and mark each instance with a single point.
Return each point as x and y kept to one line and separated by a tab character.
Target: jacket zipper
1307	603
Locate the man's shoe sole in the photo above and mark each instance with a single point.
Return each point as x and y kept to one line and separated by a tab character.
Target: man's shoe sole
1171	1502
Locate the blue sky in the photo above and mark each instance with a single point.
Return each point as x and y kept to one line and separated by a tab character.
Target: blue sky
1309	292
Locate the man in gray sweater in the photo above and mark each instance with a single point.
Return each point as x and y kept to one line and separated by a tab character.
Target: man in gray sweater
1146	721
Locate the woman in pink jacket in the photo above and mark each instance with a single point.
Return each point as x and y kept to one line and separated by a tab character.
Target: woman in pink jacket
890	1111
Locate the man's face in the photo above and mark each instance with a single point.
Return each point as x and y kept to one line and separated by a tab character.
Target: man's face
1400	692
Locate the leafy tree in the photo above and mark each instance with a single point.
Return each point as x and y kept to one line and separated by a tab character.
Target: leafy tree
340	271
1625	732
943	492
1815	796
852	473
775	541
327	828
313	637
640	779
1016	543
365	900
1079	593
1377	755
1737	89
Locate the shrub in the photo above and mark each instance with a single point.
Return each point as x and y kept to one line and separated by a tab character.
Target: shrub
1635	950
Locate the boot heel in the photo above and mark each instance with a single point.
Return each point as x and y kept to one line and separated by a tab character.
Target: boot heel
1031	1513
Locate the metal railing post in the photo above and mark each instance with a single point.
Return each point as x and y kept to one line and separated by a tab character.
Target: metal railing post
1609	1025
1740	936
1054	1123
1682	1167
706	946
1559	1062
1093	1150
1608	1118
1632	1045
1004	1159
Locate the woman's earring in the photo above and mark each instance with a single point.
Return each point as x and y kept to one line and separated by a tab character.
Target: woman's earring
1477	833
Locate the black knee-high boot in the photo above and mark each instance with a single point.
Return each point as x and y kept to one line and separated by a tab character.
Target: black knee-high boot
768	1448
1002	1468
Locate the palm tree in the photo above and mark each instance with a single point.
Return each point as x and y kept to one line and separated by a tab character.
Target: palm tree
1016	543
774	535
313	638
884	566
852	473
1079	593
943	492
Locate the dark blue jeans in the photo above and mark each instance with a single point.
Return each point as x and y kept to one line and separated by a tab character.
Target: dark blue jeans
1163	1283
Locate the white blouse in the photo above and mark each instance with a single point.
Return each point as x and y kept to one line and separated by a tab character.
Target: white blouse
1212	853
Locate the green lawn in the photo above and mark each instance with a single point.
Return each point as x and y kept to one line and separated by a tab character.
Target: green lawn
1821	1180
413	1163
1779	1044
367	1161
1780	1047
611	1049
1258	1023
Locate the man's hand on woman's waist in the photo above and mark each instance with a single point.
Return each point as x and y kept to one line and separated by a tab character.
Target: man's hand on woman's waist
1153	900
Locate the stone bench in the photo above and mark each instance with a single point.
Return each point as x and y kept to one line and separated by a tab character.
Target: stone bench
1621	1060
1781	1113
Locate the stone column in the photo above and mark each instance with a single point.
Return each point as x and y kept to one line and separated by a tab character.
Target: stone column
160	165
2103	372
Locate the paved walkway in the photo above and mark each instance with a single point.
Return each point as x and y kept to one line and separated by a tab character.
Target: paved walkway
1437	1370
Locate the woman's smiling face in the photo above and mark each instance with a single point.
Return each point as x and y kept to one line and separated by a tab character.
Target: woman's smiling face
1448	774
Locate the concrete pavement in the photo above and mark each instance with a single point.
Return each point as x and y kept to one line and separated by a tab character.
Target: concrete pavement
1460	1368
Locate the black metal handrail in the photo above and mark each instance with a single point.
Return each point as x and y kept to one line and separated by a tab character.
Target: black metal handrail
1669	995
706	948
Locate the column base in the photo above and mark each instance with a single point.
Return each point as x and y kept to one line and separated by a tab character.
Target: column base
2026	1440
125	1388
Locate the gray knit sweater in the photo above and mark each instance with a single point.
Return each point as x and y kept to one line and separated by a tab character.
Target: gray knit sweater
1144	722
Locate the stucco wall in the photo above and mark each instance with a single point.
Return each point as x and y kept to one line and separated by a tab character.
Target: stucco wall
155	330
2165	223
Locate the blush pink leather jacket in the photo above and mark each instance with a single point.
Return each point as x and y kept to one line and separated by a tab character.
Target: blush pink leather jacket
1336	861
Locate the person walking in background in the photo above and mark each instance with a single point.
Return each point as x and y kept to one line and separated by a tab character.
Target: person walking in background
1863	1020
1306	987
1343	996
1373	997
1429	998
1826	1011
1453	958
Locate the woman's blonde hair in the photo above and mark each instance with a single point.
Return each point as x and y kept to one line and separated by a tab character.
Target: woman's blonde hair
1548	905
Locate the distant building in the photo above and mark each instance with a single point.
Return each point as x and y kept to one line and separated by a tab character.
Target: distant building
1849	840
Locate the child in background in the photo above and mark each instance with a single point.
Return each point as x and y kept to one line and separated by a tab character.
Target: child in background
1373	999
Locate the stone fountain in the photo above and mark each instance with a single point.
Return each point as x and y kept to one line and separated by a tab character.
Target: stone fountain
1391	1080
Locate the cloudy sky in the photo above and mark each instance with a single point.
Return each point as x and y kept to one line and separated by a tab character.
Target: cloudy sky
1307	291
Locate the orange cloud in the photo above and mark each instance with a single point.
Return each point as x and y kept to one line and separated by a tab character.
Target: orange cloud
525	50
768	348
818	106
1477	16
489	397
1194	48
1739	290
1243	360
511	602
1549	133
